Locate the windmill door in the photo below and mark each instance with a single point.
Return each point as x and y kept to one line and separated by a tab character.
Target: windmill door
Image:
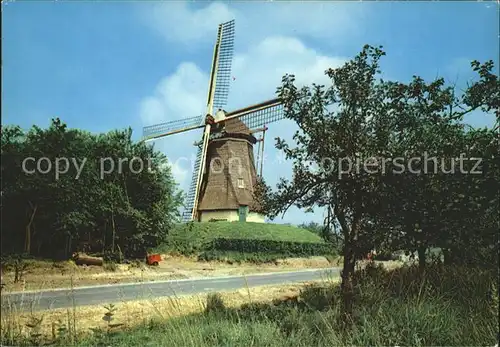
243	212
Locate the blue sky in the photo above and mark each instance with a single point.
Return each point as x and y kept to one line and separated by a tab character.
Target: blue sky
106	65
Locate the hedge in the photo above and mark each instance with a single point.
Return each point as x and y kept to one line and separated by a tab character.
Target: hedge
285	248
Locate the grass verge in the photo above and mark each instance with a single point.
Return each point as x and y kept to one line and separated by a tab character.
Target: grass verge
42	274
404	306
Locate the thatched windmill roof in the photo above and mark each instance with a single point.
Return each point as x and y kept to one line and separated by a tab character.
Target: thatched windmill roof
236	126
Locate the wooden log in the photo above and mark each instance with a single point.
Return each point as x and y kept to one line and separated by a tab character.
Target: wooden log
83	259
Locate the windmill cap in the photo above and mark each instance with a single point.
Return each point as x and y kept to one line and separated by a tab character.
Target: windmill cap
220	115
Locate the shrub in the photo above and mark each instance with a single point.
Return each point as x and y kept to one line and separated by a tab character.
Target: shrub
261	251
287	248
114	256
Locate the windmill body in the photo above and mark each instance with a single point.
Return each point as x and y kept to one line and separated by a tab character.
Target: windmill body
226	192
225	173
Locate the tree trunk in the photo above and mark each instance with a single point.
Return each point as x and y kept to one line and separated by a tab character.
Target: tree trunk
68	246
347	286
422	261
114	231
27	241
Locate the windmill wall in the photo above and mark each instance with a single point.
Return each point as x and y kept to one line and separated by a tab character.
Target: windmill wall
230	216
230	179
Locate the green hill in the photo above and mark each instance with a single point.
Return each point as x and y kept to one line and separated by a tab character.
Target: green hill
235	241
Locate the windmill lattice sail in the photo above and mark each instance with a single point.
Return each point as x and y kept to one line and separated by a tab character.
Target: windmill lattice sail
188	207
225	61
169	128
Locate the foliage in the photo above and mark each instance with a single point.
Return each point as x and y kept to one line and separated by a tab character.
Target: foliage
327	231
377	205
52	216
114	256
313	227
287	249
17	262
262	251
233	257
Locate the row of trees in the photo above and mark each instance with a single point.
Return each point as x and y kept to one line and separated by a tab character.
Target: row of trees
361	116
90	205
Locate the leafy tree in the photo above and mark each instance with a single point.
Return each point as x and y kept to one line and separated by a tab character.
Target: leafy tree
312	227
327	231
443	206
368	120
351	113
125	209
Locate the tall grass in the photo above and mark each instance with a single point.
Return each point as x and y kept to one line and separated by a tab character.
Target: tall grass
440	306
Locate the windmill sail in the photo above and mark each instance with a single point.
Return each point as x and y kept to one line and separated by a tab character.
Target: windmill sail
168	128
256	116
218	92
259	118
188	208
225	60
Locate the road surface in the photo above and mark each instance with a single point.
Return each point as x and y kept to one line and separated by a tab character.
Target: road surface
105	294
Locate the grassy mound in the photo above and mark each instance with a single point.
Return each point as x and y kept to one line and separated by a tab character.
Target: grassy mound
234	241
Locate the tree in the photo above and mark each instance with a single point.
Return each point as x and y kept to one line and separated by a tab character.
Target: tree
368	121
351	114
327	231
443	206
127	209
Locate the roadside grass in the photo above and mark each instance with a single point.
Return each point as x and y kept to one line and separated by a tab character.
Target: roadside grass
21	323
404	306
44	274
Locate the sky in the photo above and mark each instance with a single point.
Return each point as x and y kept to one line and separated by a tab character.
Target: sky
101	66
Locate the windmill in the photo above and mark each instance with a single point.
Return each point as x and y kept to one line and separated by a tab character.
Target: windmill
225	170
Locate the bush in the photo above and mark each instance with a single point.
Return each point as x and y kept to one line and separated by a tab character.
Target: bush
114	257
215	303
297	249
261	251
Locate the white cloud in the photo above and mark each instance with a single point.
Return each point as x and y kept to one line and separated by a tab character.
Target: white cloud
189	23
180	173
176	21
177	96
258	66
259	70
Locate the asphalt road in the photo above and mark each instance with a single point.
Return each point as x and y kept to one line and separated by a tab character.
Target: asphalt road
106	294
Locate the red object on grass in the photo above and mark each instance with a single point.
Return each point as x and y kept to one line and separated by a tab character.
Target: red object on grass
153	259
